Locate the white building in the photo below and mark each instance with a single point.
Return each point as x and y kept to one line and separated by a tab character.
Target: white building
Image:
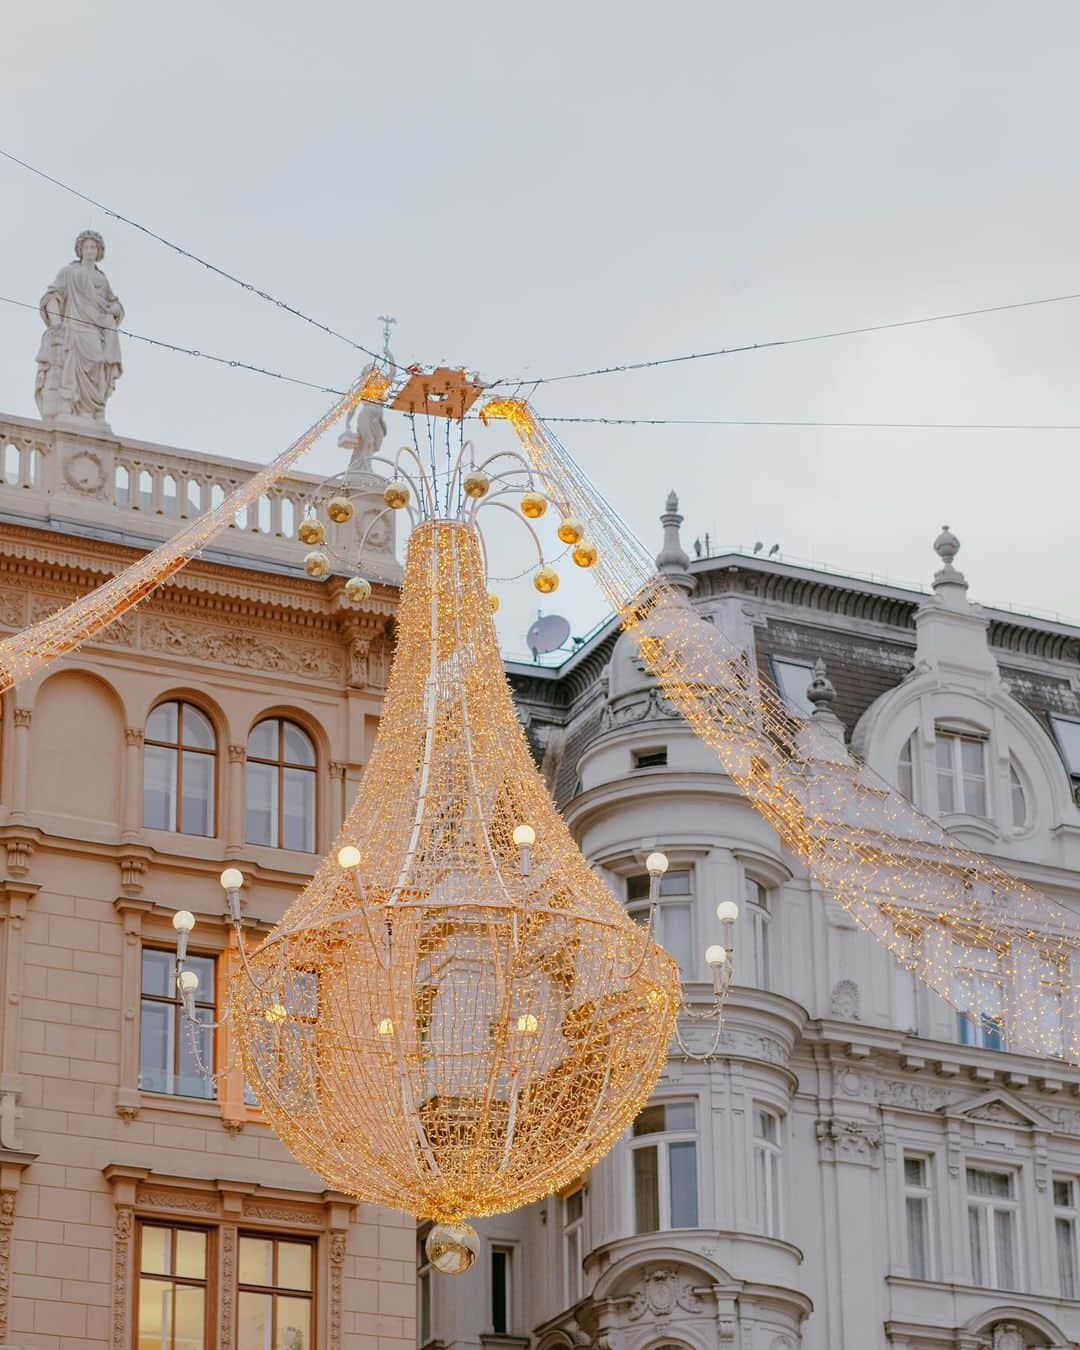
859	1167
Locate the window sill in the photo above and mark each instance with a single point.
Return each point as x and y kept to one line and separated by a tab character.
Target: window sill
132	1102
936	1287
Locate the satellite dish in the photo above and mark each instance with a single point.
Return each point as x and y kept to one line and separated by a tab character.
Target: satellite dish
547	634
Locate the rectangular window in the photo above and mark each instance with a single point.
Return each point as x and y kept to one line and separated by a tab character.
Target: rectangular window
167	1060
759	919
917	1209
767	1156
650	759
1067	734
978	990
992	1228
276	1278
665	1167
173	1288
573	1210
1065	1221
500	1290
674	917
961	774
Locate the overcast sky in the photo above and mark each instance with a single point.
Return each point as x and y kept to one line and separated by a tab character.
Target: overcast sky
532	190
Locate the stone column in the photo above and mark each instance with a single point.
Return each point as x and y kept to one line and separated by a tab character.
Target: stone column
131	910
20	763
235	807
133	743
337	796
850	1150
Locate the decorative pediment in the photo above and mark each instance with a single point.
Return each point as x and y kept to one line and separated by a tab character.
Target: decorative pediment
999	1108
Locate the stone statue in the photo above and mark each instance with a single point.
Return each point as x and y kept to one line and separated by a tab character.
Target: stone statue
79	358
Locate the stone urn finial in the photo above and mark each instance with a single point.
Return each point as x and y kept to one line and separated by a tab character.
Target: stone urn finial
947	546
821	692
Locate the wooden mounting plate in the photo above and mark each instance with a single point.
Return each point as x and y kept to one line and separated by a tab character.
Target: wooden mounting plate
442	393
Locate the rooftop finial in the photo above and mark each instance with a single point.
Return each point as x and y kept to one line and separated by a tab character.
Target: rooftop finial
821	691
947	546
672	559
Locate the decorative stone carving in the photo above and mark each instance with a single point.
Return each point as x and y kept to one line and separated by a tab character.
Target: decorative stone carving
132	874
845	999
121	1242
916	1096
133	736
7	1219
228	1287
20	854
240	649
191	1201
661	1291
232	1127
237	754
12	609
337	1264
78	361
1008	1336
280	1213
22	717
85	472
359	663
848	1141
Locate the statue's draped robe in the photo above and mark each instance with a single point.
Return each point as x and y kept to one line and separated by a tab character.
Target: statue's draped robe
79	357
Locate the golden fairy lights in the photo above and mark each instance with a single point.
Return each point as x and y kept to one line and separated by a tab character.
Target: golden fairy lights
462	1036
39	645
985	941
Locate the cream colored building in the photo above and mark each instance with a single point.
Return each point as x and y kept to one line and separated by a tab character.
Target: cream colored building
225	720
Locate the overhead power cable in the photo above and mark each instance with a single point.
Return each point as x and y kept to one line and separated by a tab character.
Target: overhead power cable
795	341
186	253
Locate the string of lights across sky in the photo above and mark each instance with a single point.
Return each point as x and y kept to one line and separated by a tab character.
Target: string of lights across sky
533	383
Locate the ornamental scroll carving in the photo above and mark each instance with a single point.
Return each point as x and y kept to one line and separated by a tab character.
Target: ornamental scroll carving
181	1200
256	1209
122	1226
228	1287
240	649
661	1292
12	609
337	1266
7	1218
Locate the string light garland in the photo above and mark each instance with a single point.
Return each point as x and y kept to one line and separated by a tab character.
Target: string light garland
38	646
985	941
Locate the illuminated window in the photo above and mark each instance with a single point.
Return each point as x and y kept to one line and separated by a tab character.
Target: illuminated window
167	1060
992	1228
179	752
274	1300
918	1216
173	1288
573	1213
664	1163
675	916
281	786
961	774
767	1164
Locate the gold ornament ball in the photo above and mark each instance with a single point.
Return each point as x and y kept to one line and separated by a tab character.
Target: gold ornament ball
396	495
493	601
311	531
339	509
316	564
357	588
476	484
452	1248
571	530
585	553
546	580
533	505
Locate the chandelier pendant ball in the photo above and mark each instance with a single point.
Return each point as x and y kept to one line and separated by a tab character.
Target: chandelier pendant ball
311	531
546	580
585	553
340	510
316	564
533	505
493	602
396	495
476	484
358	589
452	1248
571	530
471	1018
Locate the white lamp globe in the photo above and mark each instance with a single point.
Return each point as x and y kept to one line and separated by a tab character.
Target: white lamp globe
349	856
187	981
183	921
656	864
524	836
716	956
727	911
232	878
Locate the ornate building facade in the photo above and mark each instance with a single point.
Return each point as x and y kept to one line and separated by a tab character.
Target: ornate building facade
860	1167
223	722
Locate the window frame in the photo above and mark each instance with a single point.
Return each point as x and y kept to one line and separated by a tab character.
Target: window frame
990	1206
202	1005
506	1251
208	1283
573	1235
922	1194
1068	1214
758	900
768	1204
955	738
661	1140
180	749
276	1290
280	765
637	906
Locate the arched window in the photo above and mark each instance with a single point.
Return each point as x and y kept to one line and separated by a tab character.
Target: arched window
179	750
281	786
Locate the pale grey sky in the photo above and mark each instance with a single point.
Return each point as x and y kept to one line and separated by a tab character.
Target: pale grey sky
534	190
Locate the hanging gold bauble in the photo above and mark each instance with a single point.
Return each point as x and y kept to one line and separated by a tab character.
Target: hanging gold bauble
396	495
452	1248
493	601
339	509
476	484
546	580
585	554
311	531
316	564
357	589
570	530
533	505
472	1021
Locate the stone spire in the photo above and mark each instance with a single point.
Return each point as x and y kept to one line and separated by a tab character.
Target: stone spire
672	560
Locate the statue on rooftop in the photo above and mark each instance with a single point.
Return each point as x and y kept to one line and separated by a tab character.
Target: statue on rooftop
78	362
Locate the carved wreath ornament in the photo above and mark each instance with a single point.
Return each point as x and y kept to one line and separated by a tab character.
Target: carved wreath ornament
661	1292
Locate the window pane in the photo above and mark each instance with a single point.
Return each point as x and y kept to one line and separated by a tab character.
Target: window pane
682	1176
997	1184
765	1126
918	1237
254	1318
1068	739
915	1171
946	801
198	729
424	1296
499	1290
203	966
293	1324
161	724
156	1047
257	1261
1065	1235
675	927
1063	1194
650	1121
262	817
646	1191
155	1251
761	1188
263	740
975	796
756	894
573	1207
189	1316
977	1244
299	810
190	1254
679	1115
1004	1249
191	1081
157	973
159	787
155	1314
197	807
637	887
793	680
943	753
971	758
294	1265
298	748
675	882
1019	801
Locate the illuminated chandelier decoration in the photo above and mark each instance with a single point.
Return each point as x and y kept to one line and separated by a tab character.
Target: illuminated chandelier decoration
456	1016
